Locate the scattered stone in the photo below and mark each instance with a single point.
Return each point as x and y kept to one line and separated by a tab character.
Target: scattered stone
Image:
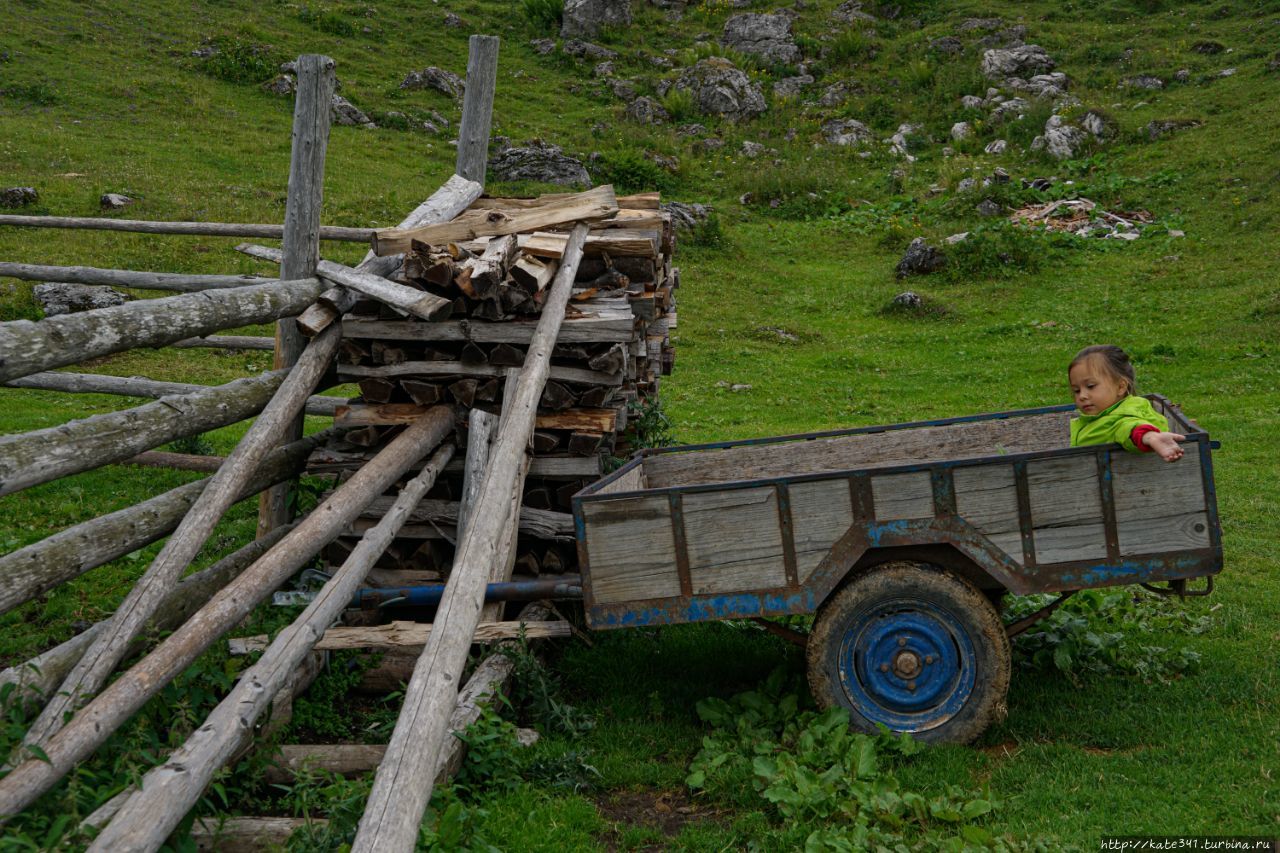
766	36
694	129
453	22
435	78
1174	232
1012	108
837	93
719	88
1053	85
985	24
783	335
957	238
966	185
346	113
624	90
1098	124
205	51
588	17
57	297
114	201
996	146
686	215
961	130
587	50
846	132
18	196
281	84
907	299
661	62
920	259
988	207
543	46
971	102
711	143
1226	72
850	11
790	87
1016	61
1063	140
603	69
949	45
1142	81
1164	126
646	110
671	164
1208	48
739	387
752	149
1182	75
540	161
900	142
998	176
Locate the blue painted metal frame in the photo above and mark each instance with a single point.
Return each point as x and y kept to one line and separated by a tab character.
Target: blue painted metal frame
945	528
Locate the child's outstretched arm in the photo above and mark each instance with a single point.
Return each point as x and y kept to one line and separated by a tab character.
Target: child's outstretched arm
1148	437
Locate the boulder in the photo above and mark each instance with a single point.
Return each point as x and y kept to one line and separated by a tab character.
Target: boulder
949	45
900	142
1008	37
971	102
1208	48
453	22
1142	81
542	46
957	238
984	24
1063	140
1023	60
1013	108
961	130
346	113
966	185
719	88
766	36
752	150
435	78
57	297
1052	85
790	87
281	84
920	259
1273	65
1182	75
588	17
685	216
587	50
1098	125
846	132
646	110
907	299
837	93
1164	126
541	162
18	196
624	90
114	201
850	11
603	69
989	207
692	129
996	146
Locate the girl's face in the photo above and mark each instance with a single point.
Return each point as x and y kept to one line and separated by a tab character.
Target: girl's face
1094	387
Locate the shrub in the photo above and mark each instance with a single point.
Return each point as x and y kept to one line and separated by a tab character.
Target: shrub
849	46
707	234
630	172
1002	249
680	105
38	94
543	14
327	22
241	62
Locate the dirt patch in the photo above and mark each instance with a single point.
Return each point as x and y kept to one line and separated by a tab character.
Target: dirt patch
1007	749
664	811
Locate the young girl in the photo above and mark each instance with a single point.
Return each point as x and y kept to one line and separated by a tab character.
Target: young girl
1102	381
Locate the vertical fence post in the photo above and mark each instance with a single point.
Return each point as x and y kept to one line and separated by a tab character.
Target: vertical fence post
477	108
316	81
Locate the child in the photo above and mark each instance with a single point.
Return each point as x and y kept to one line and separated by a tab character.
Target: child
1102	381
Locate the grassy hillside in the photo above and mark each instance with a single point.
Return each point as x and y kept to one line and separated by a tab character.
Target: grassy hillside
1152	717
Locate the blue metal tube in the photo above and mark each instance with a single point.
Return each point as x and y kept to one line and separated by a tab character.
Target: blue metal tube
559	587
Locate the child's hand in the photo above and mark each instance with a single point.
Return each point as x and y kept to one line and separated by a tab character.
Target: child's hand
1165	443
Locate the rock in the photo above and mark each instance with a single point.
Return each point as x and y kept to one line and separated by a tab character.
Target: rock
686	216
1063	140
989	207
949	45
435	78
721	89
711	143
766	36
789	87
1142	81
1182	75
588	17
346	113
693	129
1052	85
957	238
542	46
18	196
1098	125
661	62
671	164
998	176
603	69
850	11
971	102
1010	109
908	299
1208	48
752	149
1174	232
281	84
985	24
56	297
837	93
961	130
846	132
624	90
1017	61
1040	184
920	259
1226	72
1164	126
966	185
646	110
900	143
587	50
114	201
541	162
996	146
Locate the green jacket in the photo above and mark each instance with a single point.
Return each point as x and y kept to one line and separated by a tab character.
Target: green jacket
1115	423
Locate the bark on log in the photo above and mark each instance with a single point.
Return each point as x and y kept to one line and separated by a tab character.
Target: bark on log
203	229
480	427
404	781
175	281
176	461
227	342
102	716
444	204
223	489
405	636
248	834
169	790
477	107
345	759
138	386
28	347
31	458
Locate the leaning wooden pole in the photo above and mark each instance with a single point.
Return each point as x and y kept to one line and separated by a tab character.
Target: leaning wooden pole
31	458
128	693
178	281
28	347
402	786
201	229
69	553
477	107
311	109
224	488
170	790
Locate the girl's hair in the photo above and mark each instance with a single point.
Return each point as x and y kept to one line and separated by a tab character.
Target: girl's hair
1113	359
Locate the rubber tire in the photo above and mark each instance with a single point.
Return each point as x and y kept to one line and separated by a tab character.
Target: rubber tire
966	604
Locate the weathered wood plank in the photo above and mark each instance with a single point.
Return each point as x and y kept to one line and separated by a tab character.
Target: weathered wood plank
137	386
631	481
734	540
477	107
821	512
631	549
902	496
406	636
227	342
458	368
600	327
174	281
202	229
395	414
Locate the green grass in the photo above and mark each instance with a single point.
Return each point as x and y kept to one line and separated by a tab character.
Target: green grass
99	97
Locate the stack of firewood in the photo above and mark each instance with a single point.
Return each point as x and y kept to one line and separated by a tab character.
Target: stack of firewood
612	348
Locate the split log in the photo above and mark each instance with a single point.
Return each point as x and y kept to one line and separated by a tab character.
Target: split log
349	372
223	489
204	229
406	636
28	347
613	242
176	281
327	461
403	783
248	834
464	391
389	578
138	386
31	458
397	296
444	204
557	397
227	342
69	553
637	201
543	524
119	701
480	427
169	790
422	393
477	107
592	326
595	203
482	275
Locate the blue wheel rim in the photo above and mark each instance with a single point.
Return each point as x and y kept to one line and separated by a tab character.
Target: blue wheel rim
906	663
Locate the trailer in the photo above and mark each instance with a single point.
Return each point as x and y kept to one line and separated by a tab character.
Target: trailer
902	540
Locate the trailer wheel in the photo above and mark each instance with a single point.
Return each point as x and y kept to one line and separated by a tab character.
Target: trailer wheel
915	648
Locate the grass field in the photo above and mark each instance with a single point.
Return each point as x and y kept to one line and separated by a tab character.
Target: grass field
1159	717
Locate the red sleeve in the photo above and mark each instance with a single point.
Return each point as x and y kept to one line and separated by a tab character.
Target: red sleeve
1138	432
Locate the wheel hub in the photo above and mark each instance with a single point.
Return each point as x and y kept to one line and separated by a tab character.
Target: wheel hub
906	664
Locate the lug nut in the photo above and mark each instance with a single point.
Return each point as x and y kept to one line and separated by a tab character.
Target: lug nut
884	667
902	641
928	658
911	685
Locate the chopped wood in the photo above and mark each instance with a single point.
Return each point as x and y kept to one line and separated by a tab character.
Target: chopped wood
406	636
422	393
533	273
179	282
482	274
457	368
541	523
585	443
557	397
589	326
505	355
464	391
615	242
386	578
